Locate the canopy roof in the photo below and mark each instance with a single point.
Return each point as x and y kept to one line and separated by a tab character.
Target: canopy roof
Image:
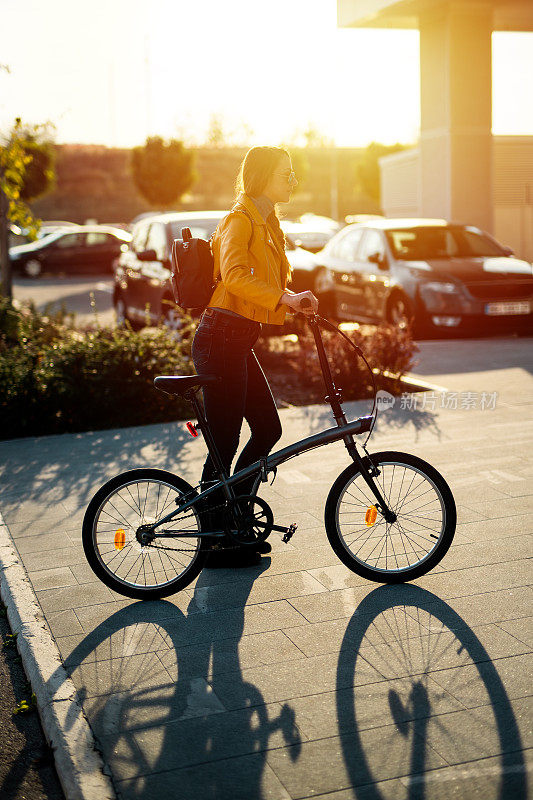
509	15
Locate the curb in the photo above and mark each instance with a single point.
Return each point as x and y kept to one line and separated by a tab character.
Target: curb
79	765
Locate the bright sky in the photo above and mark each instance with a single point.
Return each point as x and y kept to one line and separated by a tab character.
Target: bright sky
115	71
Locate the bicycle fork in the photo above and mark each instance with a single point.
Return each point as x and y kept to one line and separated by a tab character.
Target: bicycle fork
368	475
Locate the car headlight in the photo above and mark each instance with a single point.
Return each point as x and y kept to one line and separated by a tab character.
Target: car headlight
442	296
438	286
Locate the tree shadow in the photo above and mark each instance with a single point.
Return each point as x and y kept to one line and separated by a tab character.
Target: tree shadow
167	701
412	642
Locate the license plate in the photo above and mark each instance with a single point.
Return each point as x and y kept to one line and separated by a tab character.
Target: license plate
498	309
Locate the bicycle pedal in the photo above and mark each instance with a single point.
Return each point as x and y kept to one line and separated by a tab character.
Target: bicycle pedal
291	530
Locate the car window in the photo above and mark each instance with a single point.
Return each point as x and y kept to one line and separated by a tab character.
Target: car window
157	240
95	238
345	245
427	242
69	240
139	237
474	243
373	244
200	228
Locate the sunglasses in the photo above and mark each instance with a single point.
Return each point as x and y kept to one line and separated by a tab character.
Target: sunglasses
291	176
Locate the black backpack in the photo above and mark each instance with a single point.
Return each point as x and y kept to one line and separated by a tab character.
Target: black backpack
192	270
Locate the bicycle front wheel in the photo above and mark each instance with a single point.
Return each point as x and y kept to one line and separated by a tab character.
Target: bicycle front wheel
110	535
399	551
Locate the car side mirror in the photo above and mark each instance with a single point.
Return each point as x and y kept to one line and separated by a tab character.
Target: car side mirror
508	251
379	259
147	255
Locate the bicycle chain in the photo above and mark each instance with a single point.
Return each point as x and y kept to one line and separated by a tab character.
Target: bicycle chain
188	550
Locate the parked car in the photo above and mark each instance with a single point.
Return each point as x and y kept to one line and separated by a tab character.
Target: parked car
310	231
83	249
142	292
18	236
440	274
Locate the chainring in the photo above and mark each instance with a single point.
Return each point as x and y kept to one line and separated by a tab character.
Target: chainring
249	532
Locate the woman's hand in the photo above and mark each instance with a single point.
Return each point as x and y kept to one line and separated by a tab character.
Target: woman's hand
294	301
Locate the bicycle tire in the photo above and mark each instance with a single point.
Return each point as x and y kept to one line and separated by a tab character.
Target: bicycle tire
406	549
153	579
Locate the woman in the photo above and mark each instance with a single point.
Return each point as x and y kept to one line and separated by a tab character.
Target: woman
252	272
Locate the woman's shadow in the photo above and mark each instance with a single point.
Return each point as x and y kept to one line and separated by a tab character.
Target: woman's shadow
173	715
412	641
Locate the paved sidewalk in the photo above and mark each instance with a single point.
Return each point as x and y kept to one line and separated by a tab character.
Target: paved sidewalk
299	679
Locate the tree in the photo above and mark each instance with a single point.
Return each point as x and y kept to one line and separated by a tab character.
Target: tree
162	171
17	185
39	177
367	174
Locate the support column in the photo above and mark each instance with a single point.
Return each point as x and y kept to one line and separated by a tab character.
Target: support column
456	112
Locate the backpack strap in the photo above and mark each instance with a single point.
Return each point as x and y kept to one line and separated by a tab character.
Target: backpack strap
247	214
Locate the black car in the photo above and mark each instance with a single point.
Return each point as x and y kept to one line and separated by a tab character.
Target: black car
83	249
142	293
440	274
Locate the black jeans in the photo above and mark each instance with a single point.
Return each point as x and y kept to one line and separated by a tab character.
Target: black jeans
223	346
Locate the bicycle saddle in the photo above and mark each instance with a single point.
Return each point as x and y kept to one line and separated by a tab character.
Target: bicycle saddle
178	384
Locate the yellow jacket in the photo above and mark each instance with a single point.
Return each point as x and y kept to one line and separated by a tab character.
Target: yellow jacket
252	272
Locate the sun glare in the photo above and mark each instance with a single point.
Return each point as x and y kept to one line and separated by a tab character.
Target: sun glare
115	73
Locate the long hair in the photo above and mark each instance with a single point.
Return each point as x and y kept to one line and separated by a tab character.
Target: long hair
254	173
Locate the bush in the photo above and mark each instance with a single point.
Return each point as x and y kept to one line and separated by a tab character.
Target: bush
293	367
55	379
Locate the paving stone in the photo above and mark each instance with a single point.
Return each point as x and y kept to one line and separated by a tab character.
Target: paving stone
270	588
336	763
502	507
229	655
138	674
63	623
488	682
287	680
484	779
494	606
62	557
53	578
74	597
374	705
43	542
482	732
522	629
241	778
487	530
132	639
214	736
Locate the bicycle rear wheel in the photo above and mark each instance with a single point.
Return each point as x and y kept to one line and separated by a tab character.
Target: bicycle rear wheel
109	535
399	551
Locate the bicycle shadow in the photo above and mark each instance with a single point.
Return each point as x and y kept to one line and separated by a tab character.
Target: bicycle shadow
168	703
433	714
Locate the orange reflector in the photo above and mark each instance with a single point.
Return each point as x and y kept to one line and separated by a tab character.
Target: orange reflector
191	427
371	515
120	539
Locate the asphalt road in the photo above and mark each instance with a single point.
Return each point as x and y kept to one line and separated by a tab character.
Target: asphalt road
27	769
75	293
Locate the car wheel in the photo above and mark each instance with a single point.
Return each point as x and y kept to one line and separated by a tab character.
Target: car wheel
121	313
400	311
33	268
173	321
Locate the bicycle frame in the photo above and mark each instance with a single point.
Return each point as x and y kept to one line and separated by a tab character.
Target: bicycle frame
344	430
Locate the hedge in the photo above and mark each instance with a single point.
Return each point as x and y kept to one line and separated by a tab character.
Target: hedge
56	378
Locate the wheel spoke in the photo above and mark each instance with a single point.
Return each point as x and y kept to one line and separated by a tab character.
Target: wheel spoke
397	547
136	565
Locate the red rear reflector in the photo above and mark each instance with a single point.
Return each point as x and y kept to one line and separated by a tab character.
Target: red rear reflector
191	427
